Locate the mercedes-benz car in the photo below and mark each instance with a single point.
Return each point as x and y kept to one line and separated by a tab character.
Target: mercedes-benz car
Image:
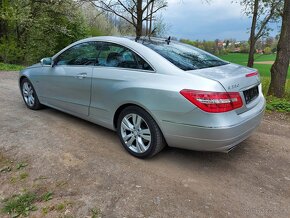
152	92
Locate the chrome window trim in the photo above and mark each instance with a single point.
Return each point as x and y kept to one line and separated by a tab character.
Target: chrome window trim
109	41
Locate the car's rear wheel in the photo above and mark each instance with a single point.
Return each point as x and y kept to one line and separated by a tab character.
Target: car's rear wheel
139	133
29	95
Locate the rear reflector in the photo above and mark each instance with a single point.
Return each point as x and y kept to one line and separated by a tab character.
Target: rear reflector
252	74
213	102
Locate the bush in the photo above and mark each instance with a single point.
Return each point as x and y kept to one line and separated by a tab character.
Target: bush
273	103
277	104
10	52
267	50
245	48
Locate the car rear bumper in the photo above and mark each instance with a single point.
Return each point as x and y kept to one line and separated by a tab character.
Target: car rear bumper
219	139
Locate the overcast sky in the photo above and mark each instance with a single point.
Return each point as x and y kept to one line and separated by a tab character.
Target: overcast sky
196	19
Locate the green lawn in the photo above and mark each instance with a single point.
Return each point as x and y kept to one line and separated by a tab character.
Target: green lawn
240	58
11	67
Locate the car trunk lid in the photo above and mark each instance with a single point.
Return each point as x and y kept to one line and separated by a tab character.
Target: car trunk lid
234	78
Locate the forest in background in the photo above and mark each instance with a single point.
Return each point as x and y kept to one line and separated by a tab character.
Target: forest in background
31	29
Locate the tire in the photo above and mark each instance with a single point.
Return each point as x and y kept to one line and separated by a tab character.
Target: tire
139	133
29	95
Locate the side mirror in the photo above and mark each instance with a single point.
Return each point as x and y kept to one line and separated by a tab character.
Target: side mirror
46	62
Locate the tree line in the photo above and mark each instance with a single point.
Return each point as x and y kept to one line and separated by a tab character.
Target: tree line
32	29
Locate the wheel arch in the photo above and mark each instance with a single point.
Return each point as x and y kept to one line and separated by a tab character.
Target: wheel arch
119	110
123	106
22	78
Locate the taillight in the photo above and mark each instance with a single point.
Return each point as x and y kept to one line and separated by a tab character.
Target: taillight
252	74
213	102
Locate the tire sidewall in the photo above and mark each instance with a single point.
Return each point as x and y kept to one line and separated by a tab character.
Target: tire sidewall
147	119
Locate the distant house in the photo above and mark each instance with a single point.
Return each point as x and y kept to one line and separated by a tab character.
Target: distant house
259	51
220	44
238	49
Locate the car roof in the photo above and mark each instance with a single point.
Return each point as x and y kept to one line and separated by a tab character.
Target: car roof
159	63
126	39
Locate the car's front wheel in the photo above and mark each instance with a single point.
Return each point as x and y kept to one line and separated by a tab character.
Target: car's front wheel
29	95
139	133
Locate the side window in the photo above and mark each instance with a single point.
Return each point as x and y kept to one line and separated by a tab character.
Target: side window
143	64
81	54
113	55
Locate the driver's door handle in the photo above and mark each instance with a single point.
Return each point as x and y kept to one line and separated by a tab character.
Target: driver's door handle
81	75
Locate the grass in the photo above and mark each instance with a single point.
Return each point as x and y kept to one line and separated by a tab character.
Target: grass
47	196
5	164
242	58
60	207
11	67
273	103
23	175
19	166
96	213
19	205
23	204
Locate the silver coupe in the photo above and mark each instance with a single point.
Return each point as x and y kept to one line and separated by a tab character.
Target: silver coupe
152	92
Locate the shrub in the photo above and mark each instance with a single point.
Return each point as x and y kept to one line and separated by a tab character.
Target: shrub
267	50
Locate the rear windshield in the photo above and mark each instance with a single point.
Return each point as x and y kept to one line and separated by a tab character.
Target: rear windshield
184	56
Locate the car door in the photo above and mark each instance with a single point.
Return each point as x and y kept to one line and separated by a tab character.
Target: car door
67	84
117	67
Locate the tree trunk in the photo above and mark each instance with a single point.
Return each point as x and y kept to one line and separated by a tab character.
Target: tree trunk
151	18
139	19
252	36
147	12
280	67
3	23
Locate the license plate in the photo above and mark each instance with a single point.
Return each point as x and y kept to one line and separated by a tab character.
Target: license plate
251	94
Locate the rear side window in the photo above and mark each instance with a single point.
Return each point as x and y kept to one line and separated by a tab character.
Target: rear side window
113	55
184	56
81	54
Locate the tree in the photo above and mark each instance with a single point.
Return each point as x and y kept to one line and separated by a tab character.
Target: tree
99	23
3	23
280	67
135	12
262	12
160	27
34	29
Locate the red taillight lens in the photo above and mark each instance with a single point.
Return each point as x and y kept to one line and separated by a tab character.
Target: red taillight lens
252	74
213	102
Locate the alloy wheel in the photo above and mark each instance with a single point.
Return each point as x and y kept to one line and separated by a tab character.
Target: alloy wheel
135	133
28	94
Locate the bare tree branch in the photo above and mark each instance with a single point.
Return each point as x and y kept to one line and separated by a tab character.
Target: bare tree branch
126	8
109	8
266	20
153	12
132	11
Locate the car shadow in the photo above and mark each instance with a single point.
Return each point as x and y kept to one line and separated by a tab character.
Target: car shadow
168	153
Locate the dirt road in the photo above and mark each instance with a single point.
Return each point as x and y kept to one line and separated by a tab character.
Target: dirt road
86	168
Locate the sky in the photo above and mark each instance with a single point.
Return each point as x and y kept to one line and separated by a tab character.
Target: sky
197	19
